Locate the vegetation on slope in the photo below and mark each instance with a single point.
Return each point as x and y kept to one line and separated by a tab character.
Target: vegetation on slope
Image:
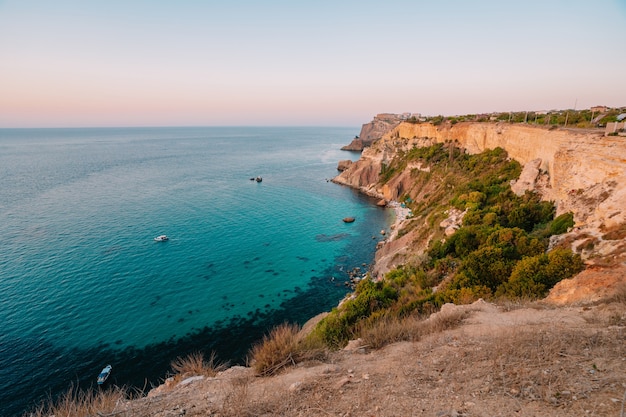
284	346
500	249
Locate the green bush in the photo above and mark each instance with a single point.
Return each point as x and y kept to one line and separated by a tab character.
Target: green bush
334	330
561	224
534	276
487	267
460	294
461	243
530	214
340	325
500	248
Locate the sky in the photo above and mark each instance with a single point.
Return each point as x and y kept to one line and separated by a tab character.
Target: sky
288	62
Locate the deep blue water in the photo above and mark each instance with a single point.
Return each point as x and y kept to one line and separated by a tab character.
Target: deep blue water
83	284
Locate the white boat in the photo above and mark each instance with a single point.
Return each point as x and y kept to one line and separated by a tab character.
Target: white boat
161	238
104	374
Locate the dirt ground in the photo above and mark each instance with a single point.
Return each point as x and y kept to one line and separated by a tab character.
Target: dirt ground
509	360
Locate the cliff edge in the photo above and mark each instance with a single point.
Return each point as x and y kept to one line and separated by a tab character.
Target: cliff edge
486	365
464	360
583	172
374	130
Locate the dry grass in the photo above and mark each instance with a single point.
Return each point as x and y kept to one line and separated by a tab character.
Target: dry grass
506	304
389	330
555	367
76	402
195	364
237	401
284	346
521	362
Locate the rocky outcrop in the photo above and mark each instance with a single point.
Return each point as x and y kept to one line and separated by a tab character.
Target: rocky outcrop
590	286
528	177
343	165
357	144
581	172
373	131
453	222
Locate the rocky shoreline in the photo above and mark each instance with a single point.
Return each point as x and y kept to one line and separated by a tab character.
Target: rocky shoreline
356	274
387	251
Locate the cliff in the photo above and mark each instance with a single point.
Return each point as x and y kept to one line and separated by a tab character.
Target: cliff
581	171
373	131
476	359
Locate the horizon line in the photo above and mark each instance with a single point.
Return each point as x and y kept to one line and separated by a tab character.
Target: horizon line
171	126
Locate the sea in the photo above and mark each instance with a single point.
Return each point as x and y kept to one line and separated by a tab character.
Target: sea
83	283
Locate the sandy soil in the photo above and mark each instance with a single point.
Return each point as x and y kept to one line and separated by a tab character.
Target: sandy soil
512	360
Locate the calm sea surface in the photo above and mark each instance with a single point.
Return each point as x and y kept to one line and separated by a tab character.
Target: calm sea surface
83	284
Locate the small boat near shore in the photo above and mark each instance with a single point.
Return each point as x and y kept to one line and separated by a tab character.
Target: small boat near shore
161	238
104	374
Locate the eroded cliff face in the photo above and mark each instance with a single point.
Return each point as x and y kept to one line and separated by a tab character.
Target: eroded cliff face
582	172
373	131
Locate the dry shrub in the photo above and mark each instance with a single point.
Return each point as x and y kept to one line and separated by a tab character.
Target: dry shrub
390	329
195	364
284	346
443	320
76	402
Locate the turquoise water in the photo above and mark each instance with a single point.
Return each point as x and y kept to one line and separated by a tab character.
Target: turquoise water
83	283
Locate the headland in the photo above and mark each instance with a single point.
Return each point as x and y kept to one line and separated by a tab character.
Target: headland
475	359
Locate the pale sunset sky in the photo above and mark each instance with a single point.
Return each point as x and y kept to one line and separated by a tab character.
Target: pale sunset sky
70	63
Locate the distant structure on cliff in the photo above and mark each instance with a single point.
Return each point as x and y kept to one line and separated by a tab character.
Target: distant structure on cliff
374	130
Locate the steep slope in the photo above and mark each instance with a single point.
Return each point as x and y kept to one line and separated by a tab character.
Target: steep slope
490	364
582	172
373	131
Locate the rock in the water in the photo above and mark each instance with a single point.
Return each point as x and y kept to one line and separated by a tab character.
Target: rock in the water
348	219
382	203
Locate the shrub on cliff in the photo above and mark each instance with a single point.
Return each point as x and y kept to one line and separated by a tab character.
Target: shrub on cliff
195	364
499	249
341	324
284	346
77	402
561	224
534	276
